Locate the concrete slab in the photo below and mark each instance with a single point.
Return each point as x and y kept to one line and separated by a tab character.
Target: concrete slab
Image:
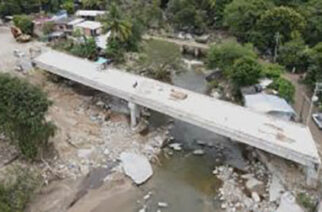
286	139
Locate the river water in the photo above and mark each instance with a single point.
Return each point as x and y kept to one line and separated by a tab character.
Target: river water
184	180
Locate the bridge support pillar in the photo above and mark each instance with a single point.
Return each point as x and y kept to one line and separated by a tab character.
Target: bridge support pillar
134	113
312	173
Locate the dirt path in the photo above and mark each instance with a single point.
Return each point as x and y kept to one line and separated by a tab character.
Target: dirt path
298	105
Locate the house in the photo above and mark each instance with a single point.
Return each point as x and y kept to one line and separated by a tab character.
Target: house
270	104
89	28
89	14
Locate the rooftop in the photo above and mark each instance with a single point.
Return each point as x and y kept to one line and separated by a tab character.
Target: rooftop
92	13
89	25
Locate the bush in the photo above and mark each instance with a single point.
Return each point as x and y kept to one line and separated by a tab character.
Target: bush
17	189
69	6
314	73
22	115
87	49
115	50
272	71
223	55
24	23
245	71
313	32
285	89
48	27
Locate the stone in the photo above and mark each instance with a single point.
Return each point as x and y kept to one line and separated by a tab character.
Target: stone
254	185
275	189
256	197
146	197
319	208
143	209
175	146
288	204
163	204
136	166
106	152
201	143
198	152
84	153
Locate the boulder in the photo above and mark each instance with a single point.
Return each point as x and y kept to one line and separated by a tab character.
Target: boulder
198	152
288	204
275	189
175	146
136	166
254	185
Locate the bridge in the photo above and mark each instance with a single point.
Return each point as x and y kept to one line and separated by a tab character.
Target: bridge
288	140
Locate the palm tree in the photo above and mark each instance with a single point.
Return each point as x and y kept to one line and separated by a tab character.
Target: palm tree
120	27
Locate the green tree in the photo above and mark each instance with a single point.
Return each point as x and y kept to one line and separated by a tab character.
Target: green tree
219	11
282	21
285	89
313	32
241	17
24	23
86	49
159	59
245	71
23	109
118	24
294	54
94	4
314	73
223	55
69	6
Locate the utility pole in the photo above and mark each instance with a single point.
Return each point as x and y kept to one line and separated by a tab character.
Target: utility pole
277	40
317	89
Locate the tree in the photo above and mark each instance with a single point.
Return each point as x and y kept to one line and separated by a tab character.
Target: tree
23	109
86	49
69	6
284	21
223	55
313	32
159	58
24	23
245	71
285	89
119	26
241	17
94	4
294	54
314	73
219	11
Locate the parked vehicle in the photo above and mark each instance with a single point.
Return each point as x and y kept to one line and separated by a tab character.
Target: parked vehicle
317	117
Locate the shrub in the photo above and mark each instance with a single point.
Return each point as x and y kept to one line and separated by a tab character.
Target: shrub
223	55
245	71
314	73
17	189
48	27
294	54
272	71
22	115
285	89
87	49
24	23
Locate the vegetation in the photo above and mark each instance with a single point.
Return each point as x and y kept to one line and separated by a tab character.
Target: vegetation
294	54
24	23
69	6
17	189
86	49
48	27
245	71
23	109
314	73
306	201
313	15
224	55
272	71
241	17
159	59
285	89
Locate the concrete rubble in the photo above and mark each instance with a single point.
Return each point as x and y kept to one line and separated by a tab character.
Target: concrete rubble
288	204
136	166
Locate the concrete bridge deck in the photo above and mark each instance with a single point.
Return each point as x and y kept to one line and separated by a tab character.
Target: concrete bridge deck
286	139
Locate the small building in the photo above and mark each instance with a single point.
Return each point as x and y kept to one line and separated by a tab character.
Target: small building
89	14
270	104
89	28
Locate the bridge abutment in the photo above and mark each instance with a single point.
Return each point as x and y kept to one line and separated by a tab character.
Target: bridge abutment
134	114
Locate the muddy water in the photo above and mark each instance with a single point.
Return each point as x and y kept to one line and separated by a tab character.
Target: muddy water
184	180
